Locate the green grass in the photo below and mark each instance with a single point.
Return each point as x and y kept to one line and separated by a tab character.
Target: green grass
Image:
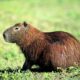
46	15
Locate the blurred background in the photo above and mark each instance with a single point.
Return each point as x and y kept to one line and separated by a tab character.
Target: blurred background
46	15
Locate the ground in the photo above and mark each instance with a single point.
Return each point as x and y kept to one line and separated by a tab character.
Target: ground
46	15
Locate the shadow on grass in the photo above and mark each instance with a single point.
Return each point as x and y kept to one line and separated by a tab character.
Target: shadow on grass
41	70
9	70
32	70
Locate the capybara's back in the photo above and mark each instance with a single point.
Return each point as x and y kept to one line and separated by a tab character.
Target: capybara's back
49	50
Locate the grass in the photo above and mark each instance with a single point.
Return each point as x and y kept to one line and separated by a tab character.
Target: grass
47	15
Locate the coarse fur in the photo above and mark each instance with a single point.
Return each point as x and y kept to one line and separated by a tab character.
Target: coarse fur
49	50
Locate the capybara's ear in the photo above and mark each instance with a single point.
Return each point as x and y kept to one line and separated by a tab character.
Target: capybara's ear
25	24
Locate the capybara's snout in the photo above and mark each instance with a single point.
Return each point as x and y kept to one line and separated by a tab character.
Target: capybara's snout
6	36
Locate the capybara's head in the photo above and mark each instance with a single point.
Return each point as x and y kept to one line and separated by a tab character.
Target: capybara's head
15	33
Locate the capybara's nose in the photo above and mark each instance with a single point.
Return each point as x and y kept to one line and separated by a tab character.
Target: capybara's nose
4	35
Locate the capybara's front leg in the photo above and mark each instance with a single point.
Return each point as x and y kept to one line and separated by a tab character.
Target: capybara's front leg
26	65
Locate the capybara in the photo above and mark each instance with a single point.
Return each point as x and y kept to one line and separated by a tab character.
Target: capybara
48	50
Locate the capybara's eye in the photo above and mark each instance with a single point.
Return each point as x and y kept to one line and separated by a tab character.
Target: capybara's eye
16	28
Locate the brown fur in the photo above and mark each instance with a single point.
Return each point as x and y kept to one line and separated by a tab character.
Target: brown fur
46	49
